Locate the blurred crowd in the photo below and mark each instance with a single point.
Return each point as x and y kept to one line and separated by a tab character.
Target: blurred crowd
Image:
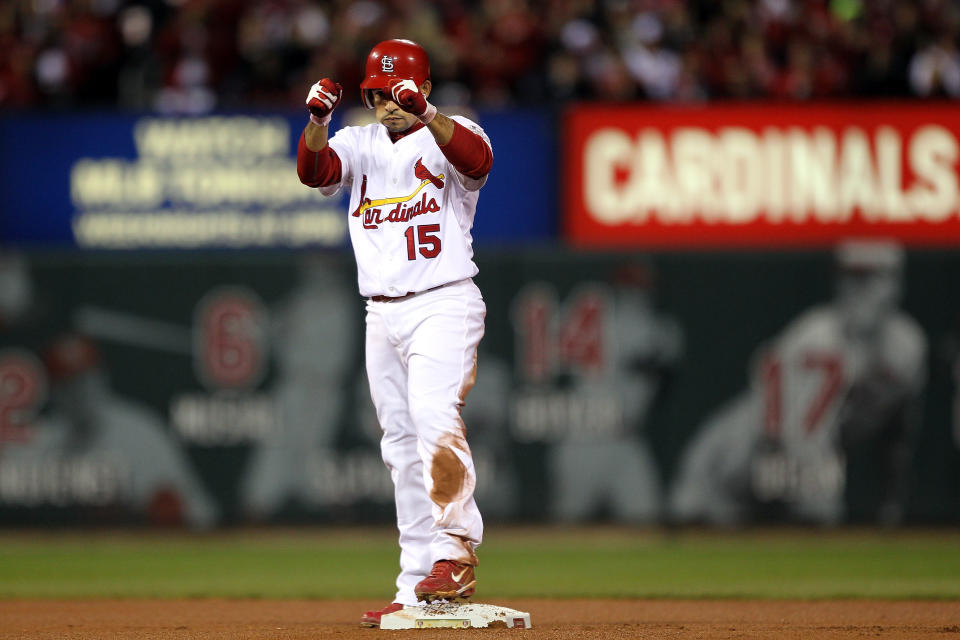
192	56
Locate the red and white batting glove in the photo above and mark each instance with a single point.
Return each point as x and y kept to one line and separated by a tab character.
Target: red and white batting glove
407	95
323	98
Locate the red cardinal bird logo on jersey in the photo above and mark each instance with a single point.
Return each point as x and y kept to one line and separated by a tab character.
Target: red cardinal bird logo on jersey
375	213
364	200
424	174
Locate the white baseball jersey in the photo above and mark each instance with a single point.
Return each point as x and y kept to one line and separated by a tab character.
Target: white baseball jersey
410	211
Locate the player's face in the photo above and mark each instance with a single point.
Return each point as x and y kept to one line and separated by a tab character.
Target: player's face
866	297
82	395
390	115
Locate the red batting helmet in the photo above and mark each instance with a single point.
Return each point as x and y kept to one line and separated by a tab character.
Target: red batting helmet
403	59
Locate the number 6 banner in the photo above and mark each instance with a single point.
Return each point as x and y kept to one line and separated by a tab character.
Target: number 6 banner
734	176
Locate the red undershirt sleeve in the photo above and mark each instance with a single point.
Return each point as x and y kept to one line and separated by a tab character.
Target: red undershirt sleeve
468	152
318	168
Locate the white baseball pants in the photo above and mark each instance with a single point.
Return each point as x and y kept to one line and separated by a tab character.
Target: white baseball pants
421	356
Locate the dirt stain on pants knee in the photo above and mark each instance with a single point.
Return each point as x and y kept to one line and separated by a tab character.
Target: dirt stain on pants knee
448	474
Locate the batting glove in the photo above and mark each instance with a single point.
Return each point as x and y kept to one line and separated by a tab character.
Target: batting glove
408	97
323	98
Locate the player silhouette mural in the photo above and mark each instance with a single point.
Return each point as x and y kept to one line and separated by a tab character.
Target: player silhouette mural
844	374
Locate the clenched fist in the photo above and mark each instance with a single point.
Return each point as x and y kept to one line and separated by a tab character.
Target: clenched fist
407	96
323	98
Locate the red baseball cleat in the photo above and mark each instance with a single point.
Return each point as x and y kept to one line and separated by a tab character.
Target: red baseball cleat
372	618
448	580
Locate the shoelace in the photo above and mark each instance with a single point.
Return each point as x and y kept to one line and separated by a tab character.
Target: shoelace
438	569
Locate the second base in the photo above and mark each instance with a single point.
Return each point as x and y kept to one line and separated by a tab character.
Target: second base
456	616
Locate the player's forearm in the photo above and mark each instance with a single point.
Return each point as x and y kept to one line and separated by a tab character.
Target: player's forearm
442	128
315	136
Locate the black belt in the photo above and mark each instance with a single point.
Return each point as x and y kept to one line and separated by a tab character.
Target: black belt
408	294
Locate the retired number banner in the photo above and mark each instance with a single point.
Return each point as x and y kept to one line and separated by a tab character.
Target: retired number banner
765	175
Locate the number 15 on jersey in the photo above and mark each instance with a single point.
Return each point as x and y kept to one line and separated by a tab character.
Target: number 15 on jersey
422	239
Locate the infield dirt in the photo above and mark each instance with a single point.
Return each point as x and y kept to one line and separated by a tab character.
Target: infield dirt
555	619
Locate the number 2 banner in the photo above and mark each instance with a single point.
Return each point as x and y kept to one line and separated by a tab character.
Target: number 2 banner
761	176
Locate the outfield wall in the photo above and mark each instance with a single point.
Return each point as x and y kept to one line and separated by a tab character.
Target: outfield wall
229	387
677	328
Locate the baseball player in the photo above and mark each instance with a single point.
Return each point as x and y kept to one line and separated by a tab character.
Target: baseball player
414	179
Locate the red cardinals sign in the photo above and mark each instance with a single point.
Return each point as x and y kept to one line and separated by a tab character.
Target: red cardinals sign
728	176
